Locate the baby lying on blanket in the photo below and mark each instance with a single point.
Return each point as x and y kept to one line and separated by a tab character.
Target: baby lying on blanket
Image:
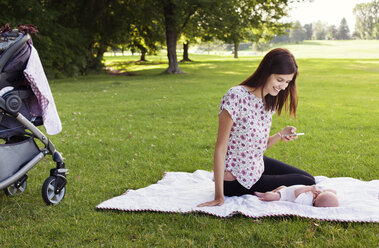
307	195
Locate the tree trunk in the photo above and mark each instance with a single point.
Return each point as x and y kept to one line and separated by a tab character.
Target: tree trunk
143	54
185	52
171	39
96	62
100	53
236	45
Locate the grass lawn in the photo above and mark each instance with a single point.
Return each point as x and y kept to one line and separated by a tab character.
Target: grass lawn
124	132
336	49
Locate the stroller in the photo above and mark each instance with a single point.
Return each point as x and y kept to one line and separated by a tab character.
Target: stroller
20	114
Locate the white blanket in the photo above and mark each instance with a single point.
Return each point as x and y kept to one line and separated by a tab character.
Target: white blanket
36	77
180	192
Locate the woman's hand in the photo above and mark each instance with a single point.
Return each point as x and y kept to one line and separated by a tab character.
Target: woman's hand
215	202
285	132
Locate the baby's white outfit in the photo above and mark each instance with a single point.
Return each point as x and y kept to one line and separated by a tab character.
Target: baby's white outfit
288	194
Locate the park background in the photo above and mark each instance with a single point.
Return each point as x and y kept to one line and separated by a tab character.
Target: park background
126	122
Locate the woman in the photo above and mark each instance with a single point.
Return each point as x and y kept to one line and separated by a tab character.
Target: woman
245	117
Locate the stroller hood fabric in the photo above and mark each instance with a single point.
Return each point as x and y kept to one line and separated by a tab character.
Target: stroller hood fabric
36	77
17	63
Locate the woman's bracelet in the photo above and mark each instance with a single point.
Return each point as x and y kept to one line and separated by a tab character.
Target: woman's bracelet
280	135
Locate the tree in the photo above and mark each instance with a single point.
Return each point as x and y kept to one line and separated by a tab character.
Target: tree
318	31
177	14
235	21
297	33
332	32
232	21
190	33
367	19
267	33
146	32
193	32
74	34
62	48
356	35
308	31
343	32
185	51
100	23
284	38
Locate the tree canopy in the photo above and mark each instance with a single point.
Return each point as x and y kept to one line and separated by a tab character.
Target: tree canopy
343	32
367	19
235	21
74	34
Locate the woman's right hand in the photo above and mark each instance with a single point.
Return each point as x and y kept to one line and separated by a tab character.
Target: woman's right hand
285	132
215	202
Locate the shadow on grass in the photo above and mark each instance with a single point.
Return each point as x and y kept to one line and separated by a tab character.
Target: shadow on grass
198	67
124	65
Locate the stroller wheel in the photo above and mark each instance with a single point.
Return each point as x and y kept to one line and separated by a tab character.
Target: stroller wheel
12	190
48	191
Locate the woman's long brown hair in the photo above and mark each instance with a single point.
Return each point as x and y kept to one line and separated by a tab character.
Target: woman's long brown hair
277	61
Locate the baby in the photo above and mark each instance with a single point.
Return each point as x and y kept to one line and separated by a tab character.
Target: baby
307	195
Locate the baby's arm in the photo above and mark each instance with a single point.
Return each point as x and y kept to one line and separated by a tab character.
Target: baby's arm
304	189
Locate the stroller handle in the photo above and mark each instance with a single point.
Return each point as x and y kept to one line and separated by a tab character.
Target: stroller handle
11	50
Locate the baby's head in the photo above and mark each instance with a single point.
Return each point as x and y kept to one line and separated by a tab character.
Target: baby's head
326	198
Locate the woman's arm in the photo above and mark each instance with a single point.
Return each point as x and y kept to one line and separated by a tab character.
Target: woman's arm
272	140
224	127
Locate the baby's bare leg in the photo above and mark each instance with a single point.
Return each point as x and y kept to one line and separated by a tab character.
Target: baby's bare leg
268	196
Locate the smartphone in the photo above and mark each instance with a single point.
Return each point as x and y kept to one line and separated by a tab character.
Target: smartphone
294	134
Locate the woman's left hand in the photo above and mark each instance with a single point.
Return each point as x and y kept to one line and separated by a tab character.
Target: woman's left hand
284	134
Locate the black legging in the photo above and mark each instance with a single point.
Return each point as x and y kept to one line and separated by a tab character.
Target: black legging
276	174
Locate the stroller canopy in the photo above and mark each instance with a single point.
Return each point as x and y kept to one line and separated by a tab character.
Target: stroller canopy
21	68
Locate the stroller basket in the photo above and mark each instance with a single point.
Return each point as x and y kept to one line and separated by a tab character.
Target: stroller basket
14	156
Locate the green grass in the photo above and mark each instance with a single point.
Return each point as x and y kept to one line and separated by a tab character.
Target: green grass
336	49
124	132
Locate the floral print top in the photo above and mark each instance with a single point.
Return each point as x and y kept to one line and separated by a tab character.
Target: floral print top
248	136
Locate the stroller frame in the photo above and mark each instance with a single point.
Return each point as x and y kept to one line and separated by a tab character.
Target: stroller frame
53	189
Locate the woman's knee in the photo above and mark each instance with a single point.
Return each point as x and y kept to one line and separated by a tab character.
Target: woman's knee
309	180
